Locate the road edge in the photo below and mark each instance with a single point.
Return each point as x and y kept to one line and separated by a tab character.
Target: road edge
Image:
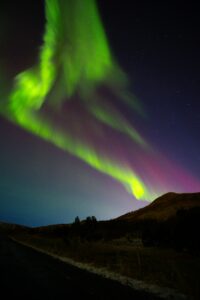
138	285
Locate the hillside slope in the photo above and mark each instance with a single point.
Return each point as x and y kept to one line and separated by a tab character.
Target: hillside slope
8	228
164	207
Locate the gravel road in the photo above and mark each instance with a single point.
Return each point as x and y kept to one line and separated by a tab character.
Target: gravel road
28	274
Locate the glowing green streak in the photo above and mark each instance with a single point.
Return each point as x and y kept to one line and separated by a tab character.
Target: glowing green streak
80	44
127	177
116	121
76	47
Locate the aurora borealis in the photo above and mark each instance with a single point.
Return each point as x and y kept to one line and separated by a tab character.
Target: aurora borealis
77	97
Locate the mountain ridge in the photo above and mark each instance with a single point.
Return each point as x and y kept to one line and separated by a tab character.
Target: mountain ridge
161	209
164	207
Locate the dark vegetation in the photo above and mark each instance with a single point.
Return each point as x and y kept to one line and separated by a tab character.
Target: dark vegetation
179	232
171	221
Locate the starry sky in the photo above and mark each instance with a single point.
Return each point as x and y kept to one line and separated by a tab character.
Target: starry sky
157	47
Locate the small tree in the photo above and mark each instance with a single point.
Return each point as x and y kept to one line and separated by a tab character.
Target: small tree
88	220
94	219
77	221
91	220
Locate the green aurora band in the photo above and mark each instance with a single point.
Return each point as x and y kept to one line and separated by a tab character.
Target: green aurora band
75	54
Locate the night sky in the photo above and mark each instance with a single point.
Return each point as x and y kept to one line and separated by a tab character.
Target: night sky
157	45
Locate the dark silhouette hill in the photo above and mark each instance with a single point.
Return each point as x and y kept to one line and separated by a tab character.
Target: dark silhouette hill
164	207
9	228
168	221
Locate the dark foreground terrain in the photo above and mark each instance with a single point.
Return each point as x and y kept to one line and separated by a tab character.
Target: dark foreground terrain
27	274
157	245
